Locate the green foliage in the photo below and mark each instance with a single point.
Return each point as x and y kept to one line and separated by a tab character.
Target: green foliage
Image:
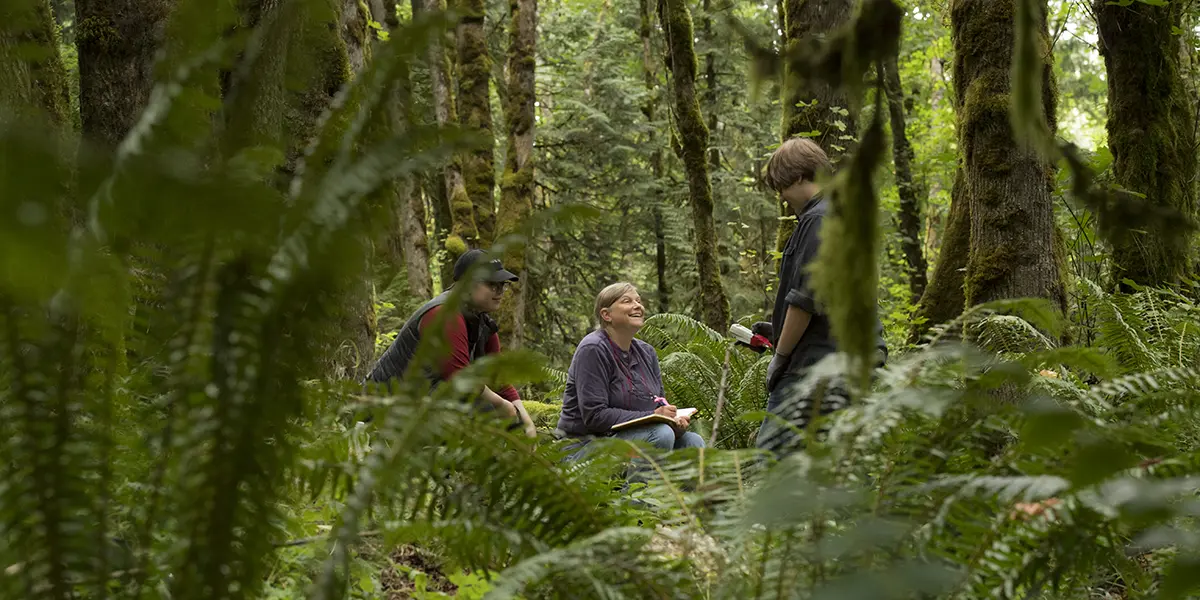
165	434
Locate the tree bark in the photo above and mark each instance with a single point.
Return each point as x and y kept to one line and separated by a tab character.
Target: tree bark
676	21
809	107
1008	182
357	322
650	110
1151	131
117	40
475	113
516	188
453	214
911	191
40	82
411	214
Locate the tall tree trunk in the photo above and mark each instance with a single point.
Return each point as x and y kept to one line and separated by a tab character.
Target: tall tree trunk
356	301
1151	131
516	188
475	113
810	107
944	297
650	110
1008	181
453	215
676	21
911	191
117	40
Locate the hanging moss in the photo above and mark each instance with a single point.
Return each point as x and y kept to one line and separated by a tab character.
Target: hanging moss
676	21
1151	133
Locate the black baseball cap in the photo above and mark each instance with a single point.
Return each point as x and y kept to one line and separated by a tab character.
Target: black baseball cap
469	258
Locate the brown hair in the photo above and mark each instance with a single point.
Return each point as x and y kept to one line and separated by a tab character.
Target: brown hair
796	159
610	295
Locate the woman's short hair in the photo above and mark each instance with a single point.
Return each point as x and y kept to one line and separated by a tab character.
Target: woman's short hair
610	295
796	159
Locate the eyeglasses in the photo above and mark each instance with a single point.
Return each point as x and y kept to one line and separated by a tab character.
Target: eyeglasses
497	286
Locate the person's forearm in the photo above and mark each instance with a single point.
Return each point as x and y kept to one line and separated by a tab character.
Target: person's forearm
520	408
505	407
794	325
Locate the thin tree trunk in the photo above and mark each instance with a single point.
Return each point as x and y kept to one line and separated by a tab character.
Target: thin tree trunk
1008	182
516	188
650	110
710	85
933	218
475	113
1151	131
453	215
822	120
676	21
944	298
911	191
411	213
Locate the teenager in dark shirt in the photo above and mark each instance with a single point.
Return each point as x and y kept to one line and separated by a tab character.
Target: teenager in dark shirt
801	326
614	378
470	333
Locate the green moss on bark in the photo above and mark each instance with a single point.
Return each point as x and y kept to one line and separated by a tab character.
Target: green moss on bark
1151	132
516	186
676	22
475	113
1009	183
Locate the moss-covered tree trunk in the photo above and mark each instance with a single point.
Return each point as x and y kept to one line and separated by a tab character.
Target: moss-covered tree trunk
117	40
650	110
339	58
813	108
31	70
1008	182
453	214
692	149
475	113
516	188
1151	130
911	191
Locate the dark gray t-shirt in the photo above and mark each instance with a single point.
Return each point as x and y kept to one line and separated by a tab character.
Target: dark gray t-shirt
607	385
795	289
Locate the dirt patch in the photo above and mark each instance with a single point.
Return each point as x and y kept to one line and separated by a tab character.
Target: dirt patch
399	582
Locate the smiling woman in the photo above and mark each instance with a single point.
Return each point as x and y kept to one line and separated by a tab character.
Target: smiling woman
615	378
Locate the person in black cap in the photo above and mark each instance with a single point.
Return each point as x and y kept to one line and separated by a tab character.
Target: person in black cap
470	334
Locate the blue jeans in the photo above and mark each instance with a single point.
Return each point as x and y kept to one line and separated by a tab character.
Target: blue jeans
662	436
787	402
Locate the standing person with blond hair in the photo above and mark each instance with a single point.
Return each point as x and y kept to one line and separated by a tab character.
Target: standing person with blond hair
615	378
801	326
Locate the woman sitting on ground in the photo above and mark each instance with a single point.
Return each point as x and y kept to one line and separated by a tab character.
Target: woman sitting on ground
614	378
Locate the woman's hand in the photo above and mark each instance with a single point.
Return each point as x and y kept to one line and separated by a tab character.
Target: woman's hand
682	422
526	421
666	411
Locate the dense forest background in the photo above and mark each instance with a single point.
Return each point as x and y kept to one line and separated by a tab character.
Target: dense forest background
214	216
